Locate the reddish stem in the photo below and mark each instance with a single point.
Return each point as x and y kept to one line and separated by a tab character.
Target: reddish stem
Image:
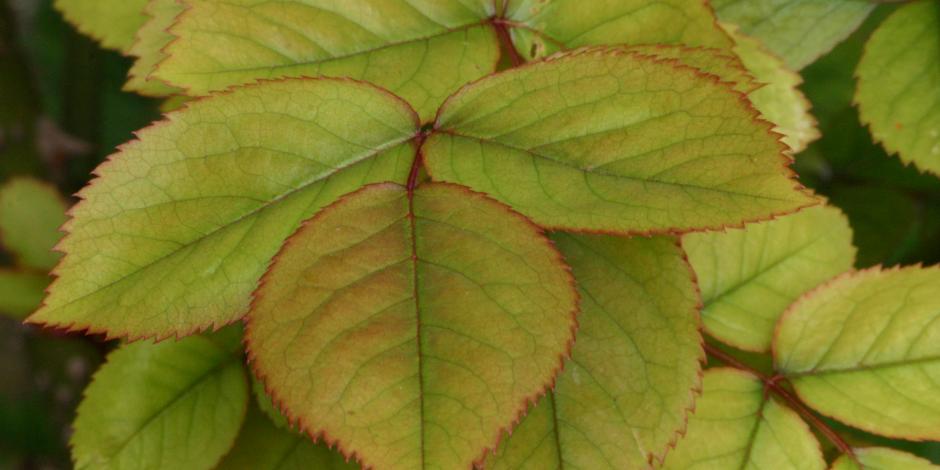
505	42
772	384
416	163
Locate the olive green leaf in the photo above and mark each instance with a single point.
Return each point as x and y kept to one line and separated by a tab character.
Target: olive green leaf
148	48
179	226
898	93
21	292
798	31
609	140
626	391
736	424
112	22
31	213
421	50
266	404
865	349
882	458
411	329
749	276
541	28
779	100
261	445
165	405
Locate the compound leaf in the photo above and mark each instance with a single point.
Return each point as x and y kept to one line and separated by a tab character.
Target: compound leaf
174	233
898	91
798	31
392	319
21	292
165	405
626	391
540	28
737	425
749	276
608	140
421	50
261	445
148	48
112	22
882	458
31	213
865	349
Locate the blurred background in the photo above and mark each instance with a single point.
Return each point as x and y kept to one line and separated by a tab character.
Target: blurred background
62	112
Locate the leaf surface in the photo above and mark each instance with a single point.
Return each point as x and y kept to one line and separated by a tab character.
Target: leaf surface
421	50
174	233
31	213
749	276
165	405
261	445
882	458
737	425
626	391
148	48
21	292
865	349
411	330
799	31
112	22
608	140
542	28
898	91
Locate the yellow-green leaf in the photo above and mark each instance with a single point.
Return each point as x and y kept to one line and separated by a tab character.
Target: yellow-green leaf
799	31
422	50
174	233
882	458
737	425
779	100
609	140
865	349
21	292
627	390
112	22
541	28
165	405
148	48
412	329
31	213
263	446
898	91
749	276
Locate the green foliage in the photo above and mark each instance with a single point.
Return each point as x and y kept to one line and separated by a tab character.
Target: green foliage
481	233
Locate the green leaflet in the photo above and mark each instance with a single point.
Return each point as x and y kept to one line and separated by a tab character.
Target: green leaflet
632	145
174	404
266	404
542	28
799	31
178	227
882	458
864	349
779	99
392	319
263	446
421	50
112	22
31	213
749	276
737	425
626	391
899	84
21	292
148	48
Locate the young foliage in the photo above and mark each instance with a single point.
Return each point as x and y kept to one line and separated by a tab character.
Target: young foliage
168	405
864	350
113	23
626	392
882	458
152	38
899	84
